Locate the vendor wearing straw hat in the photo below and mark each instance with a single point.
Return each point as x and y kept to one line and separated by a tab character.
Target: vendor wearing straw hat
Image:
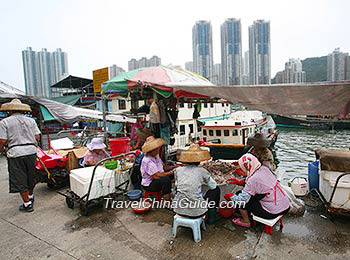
189	200
96	152
261	151
155	175
20	134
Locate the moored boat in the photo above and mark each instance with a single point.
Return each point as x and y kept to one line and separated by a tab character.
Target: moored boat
227	138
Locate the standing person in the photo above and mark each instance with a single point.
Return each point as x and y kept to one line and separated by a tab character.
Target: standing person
20	134
260	149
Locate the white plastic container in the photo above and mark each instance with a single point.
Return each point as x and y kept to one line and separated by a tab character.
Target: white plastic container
299	186
103	183
341	198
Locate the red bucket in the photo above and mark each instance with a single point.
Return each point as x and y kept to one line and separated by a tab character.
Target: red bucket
119	146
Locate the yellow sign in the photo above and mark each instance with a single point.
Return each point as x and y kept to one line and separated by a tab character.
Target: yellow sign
99	76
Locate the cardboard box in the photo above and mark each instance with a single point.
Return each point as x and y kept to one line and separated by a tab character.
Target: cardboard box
73	156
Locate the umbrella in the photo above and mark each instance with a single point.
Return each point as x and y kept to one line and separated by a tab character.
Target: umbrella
160	78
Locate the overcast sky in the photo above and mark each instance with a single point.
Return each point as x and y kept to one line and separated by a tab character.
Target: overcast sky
100	33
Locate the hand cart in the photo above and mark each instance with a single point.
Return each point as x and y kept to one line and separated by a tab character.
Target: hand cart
328	204
85	203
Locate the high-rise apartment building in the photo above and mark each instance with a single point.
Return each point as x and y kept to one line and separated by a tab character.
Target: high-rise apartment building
347	68
336	65
31	71
231	52
43	69
189	66
217	74
134	64
259	53
202	47
115	71
60	64
245	68
154	61
292	73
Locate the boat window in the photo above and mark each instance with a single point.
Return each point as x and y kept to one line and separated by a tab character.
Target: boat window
121	104
182	129
191	128
211	132
182	104
189	105
226	133
222	104
199	129
204	131
234	133
205	105
218	132
240	132
211	105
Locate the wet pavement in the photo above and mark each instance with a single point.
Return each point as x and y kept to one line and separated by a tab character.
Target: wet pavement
53	231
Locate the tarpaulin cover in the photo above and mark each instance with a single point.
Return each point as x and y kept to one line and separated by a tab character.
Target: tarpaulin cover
334	159
285	99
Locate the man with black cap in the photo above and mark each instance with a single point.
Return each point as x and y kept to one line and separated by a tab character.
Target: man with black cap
20	134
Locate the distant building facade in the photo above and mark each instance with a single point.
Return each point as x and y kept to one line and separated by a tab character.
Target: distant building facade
347	68
115	71
202	48
337	64
43	69
292	73
259	53
217	74
231	52
245	69
189	66
134	64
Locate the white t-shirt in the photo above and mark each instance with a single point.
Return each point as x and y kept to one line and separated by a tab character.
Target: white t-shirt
18	129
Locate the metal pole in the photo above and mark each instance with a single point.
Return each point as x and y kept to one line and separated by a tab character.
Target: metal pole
104	114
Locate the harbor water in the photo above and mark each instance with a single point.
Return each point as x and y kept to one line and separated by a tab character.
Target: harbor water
294	148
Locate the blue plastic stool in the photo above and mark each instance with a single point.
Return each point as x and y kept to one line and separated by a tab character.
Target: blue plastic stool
194	223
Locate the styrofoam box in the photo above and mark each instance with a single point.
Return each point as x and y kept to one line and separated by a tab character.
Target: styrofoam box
103	183
341	197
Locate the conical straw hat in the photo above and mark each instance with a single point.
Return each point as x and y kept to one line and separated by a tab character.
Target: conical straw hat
259	140
15	105
143	133
152	143
194	154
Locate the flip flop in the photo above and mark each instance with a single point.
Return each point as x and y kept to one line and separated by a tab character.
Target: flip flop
238	222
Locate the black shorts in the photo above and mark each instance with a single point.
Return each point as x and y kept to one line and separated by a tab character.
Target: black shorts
254	206
21	173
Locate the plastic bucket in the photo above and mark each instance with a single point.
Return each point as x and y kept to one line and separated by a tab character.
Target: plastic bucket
313	176
299	186
119	146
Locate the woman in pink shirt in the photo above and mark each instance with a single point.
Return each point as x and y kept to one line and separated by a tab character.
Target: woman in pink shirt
96	152
262	195
154	178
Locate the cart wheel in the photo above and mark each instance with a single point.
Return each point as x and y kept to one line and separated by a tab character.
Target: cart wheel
70	202
84	210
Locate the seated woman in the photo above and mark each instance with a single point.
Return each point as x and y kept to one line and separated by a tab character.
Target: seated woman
154	178
96	152
262	194
260	149
188	182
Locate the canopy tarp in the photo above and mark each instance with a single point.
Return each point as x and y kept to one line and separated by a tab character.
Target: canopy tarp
68	100
286	99
159	78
